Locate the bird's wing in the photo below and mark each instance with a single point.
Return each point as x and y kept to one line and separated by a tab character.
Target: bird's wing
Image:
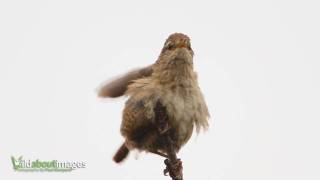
118	87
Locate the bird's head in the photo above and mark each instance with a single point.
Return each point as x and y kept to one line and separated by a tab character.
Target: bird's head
177	48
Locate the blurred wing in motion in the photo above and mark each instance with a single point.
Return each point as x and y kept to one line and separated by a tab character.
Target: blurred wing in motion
118	87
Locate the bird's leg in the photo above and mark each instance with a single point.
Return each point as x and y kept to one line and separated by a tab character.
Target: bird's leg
159	153
161	119
163	128
174	165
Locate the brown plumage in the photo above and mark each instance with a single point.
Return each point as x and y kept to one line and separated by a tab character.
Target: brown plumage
170	82
121	153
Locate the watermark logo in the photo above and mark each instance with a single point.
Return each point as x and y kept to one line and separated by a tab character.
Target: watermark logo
21	164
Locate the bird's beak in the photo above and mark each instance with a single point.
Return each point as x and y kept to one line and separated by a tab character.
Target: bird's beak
183	43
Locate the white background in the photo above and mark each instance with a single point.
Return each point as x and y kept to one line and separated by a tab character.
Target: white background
258	65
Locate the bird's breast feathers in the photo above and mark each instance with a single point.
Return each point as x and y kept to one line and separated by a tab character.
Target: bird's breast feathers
184	105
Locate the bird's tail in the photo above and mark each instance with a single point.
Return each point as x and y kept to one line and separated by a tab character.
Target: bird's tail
118	86
121	154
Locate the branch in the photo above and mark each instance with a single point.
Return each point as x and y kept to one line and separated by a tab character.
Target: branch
174	165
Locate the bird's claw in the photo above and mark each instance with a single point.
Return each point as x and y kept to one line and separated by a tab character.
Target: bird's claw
173	168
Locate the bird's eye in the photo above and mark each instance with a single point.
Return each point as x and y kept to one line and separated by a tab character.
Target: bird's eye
170	47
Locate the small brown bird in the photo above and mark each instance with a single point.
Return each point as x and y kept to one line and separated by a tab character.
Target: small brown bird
171	83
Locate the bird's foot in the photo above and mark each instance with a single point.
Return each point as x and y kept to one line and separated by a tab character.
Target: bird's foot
173	168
